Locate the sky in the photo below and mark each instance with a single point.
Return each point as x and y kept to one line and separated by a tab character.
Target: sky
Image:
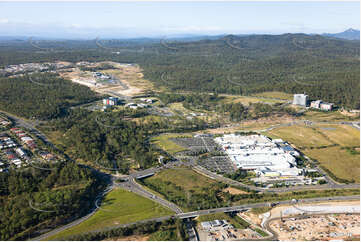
154	19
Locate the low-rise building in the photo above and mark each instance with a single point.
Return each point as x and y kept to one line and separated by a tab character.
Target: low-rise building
326	106
316	104
111	101
258	153
319	104
211	224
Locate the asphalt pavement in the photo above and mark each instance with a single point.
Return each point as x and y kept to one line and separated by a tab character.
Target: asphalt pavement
133	186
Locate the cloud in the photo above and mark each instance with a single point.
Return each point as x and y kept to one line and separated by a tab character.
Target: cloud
4	21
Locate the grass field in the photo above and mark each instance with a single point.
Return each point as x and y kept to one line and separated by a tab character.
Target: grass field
327	116
280	95
260	210
184	178
179	108
344	135
164	142
186	188
119	207
332	145
339	161
300	135
245	100
170	234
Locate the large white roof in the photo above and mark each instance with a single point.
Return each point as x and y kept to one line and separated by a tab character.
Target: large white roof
256	152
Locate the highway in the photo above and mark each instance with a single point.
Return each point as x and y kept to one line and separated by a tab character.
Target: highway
264	204
218	210
77	221
151	171
133	186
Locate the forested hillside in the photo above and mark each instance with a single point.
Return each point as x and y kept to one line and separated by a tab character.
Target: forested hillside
325	68
105	138
42	96
36	199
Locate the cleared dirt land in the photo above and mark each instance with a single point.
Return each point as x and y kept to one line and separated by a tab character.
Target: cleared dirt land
119	207
130	77
321	227
234	191
317	227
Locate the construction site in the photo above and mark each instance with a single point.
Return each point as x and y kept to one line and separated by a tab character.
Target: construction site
226	230
318	227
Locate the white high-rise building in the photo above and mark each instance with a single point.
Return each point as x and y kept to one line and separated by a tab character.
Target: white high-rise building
300	99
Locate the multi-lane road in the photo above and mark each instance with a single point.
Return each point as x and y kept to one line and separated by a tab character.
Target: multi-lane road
200	212
131	185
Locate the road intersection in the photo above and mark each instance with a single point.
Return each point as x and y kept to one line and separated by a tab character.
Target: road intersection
130	184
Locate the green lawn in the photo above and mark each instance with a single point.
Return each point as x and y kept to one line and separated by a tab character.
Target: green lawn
119	207
185	178
164	142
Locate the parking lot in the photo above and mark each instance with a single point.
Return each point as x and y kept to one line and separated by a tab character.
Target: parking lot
198	143
220	164
217	161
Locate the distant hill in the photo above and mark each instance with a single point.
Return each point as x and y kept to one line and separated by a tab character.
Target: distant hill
323	67
350	34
